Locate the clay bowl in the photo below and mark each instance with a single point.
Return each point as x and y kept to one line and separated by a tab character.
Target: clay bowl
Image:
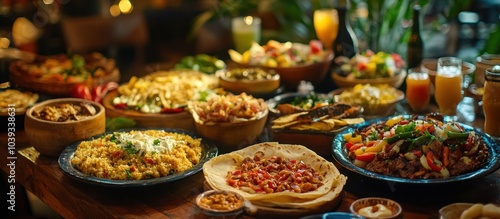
291	76
394	81
377	110
51	138
182	120
232	136
216	212
393	206
20	77
250	85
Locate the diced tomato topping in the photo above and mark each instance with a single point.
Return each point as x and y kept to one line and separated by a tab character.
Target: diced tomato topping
132	169
117	153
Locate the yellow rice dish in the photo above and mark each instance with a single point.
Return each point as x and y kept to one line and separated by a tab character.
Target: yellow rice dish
136	155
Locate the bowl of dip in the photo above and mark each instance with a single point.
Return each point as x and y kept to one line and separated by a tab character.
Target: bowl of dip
54	124
377	208
220	203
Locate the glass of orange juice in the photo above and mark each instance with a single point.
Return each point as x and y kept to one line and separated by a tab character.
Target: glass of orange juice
326	24
448	82
418	89
246	30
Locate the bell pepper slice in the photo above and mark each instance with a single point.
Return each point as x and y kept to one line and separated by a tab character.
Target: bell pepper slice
398	137
356	146
366	157
457	135
434	163
446	154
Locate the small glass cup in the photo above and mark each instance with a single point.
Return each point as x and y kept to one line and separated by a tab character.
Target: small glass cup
418	89
245	30
448	83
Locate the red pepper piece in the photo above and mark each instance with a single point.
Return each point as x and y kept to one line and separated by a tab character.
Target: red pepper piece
82	91
433	162
121	106
366	157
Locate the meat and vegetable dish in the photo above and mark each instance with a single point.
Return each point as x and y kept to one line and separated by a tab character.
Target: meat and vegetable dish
417	148
65	112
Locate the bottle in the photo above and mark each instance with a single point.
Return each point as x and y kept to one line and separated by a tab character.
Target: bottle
346	43
415	51
491	102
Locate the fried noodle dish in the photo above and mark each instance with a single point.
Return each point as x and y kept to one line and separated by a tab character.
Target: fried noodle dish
417	148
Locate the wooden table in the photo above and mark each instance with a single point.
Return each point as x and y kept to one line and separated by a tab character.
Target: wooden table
73	199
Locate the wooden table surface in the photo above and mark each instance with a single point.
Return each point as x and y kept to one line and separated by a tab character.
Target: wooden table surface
73	199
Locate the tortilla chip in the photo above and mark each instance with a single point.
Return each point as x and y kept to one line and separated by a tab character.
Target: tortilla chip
319	126
287	118
340	122
282	126
353	121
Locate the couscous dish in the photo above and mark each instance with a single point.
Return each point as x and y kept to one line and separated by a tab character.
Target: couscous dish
136	155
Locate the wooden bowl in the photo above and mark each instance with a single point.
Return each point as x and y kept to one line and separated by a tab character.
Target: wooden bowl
394	81
252	87
182	120
51	138
19	76
233	136
375	110
393	206
291	76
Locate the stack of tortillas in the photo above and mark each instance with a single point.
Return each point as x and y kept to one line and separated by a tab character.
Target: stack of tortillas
216	170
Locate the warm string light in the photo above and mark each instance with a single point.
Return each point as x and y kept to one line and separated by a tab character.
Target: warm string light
123	7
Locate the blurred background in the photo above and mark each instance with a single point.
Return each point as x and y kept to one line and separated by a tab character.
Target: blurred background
136	32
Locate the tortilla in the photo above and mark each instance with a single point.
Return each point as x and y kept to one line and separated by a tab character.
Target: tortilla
216	169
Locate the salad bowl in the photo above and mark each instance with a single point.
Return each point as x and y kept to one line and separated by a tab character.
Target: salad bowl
370	68
294	62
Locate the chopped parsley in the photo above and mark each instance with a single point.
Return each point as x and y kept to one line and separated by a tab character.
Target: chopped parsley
373	135
129	174
156	142
113	138
129	148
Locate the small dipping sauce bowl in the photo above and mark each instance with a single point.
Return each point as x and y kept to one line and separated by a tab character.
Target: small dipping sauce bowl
377	208
221	203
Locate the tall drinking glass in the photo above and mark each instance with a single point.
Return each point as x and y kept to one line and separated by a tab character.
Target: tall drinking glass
418	89
326	24
448	84
245	31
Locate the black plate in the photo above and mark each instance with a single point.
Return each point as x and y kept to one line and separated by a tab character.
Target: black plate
209	151
341	155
